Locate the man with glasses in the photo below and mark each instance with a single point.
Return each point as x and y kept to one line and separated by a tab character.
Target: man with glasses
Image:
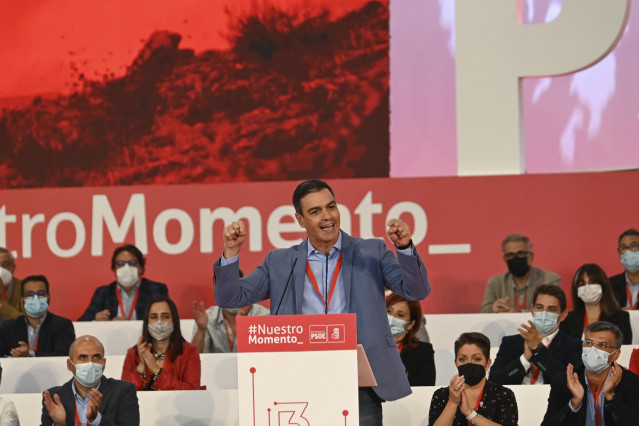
599	393
10	305
540	351
625	286
513	290
38	332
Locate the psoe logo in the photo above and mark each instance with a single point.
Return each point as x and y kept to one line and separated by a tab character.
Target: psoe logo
336	333
317	334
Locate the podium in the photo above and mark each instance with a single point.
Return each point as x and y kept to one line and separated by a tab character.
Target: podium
297	370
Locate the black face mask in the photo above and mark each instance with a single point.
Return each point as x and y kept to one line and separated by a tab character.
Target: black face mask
518	266
473	373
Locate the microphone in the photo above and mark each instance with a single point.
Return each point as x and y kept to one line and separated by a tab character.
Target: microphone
288	281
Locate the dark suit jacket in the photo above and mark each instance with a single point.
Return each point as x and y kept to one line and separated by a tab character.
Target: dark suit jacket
507	368
119	405
618	283
367	268
574	324
54	339
622	410
105	298
420	364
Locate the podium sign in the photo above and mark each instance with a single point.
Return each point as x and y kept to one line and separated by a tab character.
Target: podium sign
297	370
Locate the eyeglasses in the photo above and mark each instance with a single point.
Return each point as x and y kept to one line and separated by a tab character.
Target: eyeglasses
39	293
520	254
599	345
631	247
119	263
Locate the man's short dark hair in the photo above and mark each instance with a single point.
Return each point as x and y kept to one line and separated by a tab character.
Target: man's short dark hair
473	338
131	249
551	290
35	278
594	327
305	188
627	233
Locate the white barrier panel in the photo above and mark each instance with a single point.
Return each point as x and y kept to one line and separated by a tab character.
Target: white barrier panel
445	362
34	375
413	410
220	407
118	336
193	408
219	371
443	329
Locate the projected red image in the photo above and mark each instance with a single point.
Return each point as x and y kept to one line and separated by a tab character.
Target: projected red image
293	94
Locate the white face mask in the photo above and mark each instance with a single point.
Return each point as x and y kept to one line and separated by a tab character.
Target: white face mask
6	276
545	322
397	326
160	330
630	260
590	293
127	276
595	359
88	373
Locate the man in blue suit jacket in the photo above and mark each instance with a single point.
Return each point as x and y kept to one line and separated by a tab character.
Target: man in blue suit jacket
367	268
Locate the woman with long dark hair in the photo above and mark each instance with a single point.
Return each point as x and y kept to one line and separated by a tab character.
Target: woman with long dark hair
162	359
593	300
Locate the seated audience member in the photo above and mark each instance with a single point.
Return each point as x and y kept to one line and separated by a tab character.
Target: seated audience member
601	392
10	306
592	300
625	286
540	351
215	329
162	359
8	412
470	397
128	296
418	357
422	333
513	290
38	332
90	397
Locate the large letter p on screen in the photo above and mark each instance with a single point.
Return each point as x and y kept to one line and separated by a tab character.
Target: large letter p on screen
494	51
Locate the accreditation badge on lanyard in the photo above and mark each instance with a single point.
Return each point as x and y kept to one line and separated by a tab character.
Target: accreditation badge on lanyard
311	276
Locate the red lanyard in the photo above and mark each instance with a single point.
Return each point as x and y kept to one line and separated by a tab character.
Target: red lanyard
478	402
77	416
400	347
5	293
595	396
135	300
586	319
519	308
535	371
228	337
333	280
630	299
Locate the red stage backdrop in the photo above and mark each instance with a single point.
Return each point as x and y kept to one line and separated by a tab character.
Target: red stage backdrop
69	233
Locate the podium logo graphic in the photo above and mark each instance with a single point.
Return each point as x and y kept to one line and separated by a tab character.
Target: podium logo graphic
336	333
317	334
